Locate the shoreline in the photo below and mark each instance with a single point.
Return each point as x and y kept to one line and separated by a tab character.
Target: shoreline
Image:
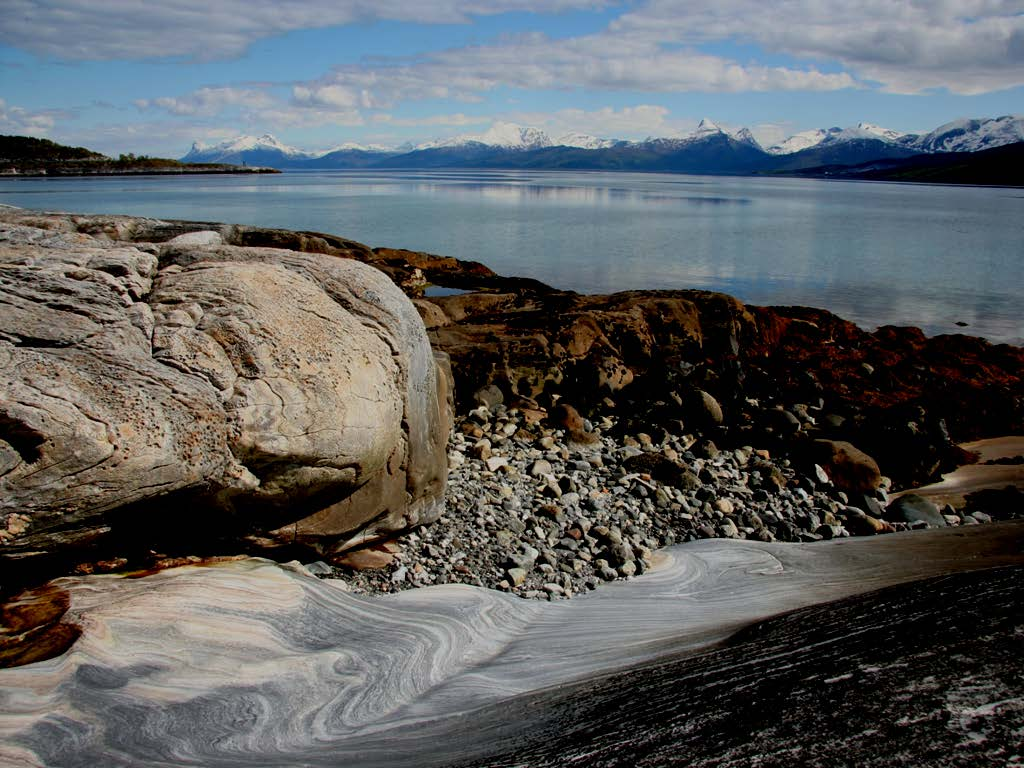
704	413
723	428
51	174
535	514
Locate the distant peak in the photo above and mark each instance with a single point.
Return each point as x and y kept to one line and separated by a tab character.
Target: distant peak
500	134
706	128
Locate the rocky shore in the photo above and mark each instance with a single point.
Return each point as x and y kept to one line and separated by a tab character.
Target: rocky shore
176	397
591	430
128	169
546	512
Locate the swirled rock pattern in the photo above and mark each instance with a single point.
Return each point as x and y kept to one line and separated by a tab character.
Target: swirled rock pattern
191	391
250	663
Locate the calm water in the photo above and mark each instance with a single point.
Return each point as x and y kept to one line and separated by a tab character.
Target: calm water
874	253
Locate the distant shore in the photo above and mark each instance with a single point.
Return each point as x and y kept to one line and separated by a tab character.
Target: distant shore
139	171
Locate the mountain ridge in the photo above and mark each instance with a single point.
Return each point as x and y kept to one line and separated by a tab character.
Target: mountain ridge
709	149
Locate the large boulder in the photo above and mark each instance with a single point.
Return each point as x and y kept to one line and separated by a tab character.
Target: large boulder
186	393
848	467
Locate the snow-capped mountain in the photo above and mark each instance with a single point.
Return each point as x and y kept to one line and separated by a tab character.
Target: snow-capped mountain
824	136
744	136
868	131
707	129
583	141
972	135
503	135
710	148
967	135
216	153
800	141
352	146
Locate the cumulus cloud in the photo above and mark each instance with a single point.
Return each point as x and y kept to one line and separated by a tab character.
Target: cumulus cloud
535	61
287	116
967	46
23	122
329	97
82	29
310	106
351	94
207	102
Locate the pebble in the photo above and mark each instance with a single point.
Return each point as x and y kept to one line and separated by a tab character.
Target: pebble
530	513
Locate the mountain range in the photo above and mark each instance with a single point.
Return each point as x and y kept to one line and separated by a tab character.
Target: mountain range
709	149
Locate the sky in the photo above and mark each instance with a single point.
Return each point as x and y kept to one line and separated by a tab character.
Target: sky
150	77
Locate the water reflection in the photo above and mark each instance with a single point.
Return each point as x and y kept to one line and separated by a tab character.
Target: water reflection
516	194
875	253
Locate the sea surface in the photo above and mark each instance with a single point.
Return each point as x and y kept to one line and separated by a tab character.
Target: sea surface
876	253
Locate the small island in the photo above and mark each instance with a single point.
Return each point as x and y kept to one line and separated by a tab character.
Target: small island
27	156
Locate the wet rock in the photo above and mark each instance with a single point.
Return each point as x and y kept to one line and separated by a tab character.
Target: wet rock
847	467
911	508
859	523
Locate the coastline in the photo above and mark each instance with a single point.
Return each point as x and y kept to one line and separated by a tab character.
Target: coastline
703	509
673	386
60	173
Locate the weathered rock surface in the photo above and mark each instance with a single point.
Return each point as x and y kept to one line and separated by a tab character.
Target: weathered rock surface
662	363
796	372
197	391
712	363
727	653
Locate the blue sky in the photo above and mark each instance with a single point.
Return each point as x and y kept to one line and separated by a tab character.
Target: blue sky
133	76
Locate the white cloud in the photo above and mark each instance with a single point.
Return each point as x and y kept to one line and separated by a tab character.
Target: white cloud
310	106
207	102
967	46
287	116
140	29
596	62
331	97
23	122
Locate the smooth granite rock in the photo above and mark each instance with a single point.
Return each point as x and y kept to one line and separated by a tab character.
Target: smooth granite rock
192	392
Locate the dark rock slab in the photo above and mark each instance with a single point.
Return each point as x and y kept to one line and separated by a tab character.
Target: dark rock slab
925	674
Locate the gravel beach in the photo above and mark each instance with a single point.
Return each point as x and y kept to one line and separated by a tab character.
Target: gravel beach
547	512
